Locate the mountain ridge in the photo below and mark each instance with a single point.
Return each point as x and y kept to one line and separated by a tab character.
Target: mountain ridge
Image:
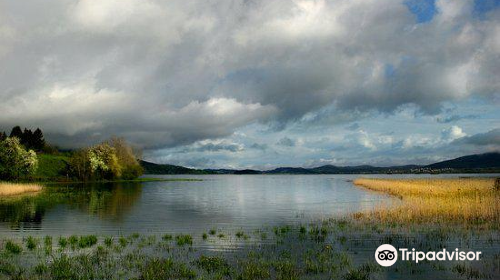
477	163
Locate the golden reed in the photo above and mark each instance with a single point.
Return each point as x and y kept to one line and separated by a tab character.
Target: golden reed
470	201
8	189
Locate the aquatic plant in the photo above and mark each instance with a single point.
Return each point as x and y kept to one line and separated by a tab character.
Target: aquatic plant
31	243
166	269
13	248
167	237
184	239
63	242
108	241
213	264
87	241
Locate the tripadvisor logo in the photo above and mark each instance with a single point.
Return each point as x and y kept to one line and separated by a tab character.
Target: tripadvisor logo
387	255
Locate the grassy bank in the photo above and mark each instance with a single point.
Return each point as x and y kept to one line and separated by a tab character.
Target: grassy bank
10	189
53	169
467	201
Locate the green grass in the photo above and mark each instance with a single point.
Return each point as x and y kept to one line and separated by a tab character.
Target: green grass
13	248
87	241
290	257
51	167
63	242
184	239
31	243
213	264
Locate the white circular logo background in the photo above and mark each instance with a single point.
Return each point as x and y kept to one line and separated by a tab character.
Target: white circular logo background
386	255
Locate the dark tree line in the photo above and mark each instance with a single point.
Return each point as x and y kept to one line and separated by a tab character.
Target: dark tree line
29	139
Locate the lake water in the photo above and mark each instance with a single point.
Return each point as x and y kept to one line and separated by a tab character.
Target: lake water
227	202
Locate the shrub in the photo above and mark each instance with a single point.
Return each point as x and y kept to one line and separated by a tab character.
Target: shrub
15	161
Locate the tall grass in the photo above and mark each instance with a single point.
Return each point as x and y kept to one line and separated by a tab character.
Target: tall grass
7	189
469	201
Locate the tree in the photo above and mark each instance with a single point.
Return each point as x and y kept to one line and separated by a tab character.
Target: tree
16	132
103	162
127	158
27	138
38	142
15	160
3	136
79	165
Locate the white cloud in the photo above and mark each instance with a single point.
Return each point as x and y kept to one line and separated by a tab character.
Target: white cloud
167	73
452	133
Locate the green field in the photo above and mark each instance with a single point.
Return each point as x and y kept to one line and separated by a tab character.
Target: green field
51	168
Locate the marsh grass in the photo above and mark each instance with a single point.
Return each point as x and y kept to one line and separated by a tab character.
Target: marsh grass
31	243
467	201
9	189
334	253
184	239
13	248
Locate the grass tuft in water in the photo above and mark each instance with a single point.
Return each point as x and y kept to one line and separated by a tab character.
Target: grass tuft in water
13	248
167	237
63	242
108	241
184	239
214	264
166	269
87	241
31	243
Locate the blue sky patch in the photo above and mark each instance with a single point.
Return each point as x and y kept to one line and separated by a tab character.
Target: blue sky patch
424	10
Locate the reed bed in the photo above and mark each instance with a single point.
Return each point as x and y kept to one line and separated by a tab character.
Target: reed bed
468	201
9	189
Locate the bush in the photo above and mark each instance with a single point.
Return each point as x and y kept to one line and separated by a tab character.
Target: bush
15	161
110	160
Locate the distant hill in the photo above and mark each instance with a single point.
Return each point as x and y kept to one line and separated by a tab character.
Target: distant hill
290	170
489	162
159	169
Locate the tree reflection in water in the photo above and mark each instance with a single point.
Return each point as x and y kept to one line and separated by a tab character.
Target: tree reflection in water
104	200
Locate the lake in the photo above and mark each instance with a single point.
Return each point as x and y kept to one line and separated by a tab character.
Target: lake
227	202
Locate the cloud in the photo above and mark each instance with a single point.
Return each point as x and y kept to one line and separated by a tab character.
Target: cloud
455	118
287	142
490	138
171	73
354	126
258	146
452	133
217	147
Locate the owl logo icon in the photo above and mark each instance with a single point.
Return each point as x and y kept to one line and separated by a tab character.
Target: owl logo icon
386	255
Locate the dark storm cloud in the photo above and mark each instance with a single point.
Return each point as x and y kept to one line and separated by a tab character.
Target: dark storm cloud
455	118
258	146
170	73
211	147
285	141
490	138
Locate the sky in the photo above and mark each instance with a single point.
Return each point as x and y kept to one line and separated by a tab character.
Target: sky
257	83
